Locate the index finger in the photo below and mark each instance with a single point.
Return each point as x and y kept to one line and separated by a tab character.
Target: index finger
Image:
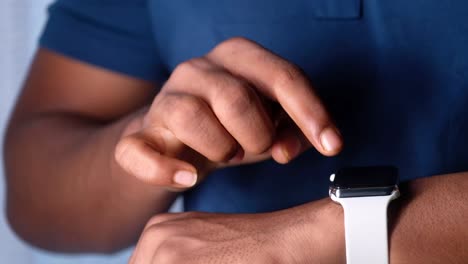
285	83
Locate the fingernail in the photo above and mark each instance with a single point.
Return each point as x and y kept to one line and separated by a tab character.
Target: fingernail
185	178
330	139
291	151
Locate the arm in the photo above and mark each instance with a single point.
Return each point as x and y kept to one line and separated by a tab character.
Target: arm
429	226
430	221
66	192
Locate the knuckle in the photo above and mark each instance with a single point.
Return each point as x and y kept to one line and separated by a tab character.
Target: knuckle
191	214
185	110
288	76
163	230
241	100
188	113
237	99
185	70
157	219
225	153
237	41
199	222
263	144
190	108
169	251
150	232
232	44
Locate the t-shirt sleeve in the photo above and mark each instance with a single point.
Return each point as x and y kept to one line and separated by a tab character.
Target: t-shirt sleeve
112	34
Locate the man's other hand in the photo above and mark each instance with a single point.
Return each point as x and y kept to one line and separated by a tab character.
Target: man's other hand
311	233
238	104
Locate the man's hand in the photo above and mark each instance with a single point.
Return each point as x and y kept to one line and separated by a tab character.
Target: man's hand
427	225
238	100
239	103
297	235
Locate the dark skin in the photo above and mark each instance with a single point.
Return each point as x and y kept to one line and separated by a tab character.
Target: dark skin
77	128
84	144
120	146
427	225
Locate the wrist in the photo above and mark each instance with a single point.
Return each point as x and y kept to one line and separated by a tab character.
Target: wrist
315	234
329	232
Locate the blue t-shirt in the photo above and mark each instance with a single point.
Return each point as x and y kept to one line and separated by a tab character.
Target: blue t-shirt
394	75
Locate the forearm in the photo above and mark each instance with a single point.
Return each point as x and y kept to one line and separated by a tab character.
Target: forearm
62	173
428	225
430	222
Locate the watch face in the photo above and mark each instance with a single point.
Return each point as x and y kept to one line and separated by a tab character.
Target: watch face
364	181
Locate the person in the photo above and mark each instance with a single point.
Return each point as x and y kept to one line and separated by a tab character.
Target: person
241	107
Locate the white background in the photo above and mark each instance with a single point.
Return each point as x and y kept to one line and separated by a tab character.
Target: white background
18	28
20	24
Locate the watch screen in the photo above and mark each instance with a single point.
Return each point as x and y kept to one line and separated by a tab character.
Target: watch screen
365	177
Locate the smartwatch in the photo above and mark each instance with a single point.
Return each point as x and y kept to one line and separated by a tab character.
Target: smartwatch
364	193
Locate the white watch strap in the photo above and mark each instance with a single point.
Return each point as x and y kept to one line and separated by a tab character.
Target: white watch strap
366	229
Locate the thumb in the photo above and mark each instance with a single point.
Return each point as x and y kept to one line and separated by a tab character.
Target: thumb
142	155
